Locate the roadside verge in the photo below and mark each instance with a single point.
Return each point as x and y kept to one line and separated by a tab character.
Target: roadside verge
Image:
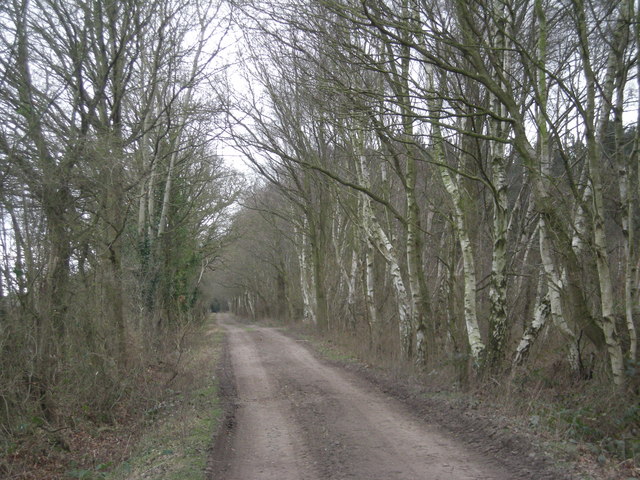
176	439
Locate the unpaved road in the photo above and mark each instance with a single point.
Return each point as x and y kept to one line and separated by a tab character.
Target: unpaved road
298	418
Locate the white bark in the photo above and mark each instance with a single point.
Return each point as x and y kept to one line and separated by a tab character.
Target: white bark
385	247
348	276
542	311
630	264
378	237
498	130
625	167
595	134
413	251
470	310
474	338
554	286
370	297
351	288
498	286
541	179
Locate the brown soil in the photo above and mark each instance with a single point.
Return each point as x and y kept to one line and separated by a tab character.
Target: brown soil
293	416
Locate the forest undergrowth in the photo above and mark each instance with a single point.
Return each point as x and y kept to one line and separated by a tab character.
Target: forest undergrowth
162	422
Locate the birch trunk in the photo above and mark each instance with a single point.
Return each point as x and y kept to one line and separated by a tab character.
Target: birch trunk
498	286
571	269
554	286
549	304
470	310
370	296
595	134
347	276
415	271
497	130
351	289
628	212
377	236
553	277
542	312
387	250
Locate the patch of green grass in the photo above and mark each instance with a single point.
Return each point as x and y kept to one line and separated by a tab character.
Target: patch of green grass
330	352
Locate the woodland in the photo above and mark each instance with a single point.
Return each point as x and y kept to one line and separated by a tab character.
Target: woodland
450	186
448	181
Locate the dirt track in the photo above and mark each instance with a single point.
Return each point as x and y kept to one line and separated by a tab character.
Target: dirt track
298	418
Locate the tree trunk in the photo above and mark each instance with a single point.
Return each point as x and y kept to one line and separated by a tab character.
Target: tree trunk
308	298
542	311
595	134
498	284
370	296
377	236
317	269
